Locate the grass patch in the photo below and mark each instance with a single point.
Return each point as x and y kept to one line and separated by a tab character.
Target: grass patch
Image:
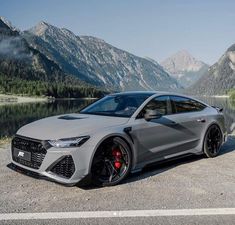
4	140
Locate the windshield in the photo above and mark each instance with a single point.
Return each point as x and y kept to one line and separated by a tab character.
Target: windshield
116	105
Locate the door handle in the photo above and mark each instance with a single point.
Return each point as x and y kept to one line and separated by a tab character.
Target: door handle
201	120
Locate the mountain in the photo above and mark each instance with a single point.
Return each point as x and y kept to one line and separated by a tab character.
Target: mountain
21	65
97	62
7	24
220	78
17	55
184	67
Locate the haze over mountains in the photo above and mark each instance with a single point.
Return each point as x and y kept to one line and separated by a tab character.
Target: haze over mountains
184	67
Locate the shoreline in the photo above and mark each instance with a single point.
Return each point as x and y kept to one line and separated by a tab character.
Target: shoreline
84	98
219	96
214	96
14	99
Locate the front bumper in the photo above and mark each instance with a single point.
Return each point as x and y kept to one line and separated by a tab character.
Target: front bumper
63	165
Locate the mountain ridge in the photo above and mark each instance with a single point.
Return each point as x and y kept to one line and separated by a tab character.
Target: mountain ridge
98	62
22	65
184	67
220	77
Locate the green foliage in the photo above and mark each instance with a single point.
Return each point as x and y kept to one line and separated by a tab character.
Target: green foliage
231	94
58	89
4	140
26	71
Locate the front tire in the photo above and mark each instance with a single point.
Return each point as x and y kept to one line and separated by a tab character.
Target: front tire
212	141
111	163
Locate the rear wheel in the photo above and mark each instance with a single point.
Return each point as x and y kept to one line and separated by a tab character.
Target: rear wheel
212	141
111	163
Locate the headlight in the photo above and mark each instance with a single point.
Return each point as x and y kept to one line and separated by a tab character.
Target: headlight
69	142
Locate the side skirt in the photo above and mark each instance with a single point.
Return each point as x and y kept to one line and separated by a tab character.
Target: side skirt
163	161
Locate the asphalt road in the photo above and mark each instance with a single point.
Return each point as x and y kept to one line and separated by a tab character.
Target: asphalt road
192	183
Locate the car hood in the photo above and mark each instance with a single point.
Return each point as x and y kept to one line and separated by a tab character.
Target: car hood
69	125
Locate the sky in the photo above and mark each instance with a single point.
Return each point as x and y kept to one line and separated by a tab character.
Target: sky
147	28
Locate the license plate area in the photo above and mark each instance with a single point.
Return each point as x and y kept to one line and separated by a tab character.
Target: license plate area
20	154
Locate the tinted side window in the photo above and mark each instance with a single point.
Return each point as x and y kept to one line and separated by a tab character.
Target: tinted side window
183	105
161	104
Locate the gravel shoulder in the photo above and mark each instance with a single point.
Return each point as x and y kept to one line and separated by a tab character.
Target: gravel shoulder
195	182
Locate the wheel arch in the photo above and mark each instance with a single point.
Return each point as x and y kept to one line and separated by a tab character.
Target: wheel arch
207	128
124	137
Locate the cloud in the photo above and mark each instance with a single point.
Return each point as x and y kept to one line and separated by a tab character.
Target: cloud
13	47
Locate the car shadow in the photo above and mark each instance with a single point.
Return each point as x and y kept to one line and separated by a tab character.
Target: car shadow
161	167
228	146
150	170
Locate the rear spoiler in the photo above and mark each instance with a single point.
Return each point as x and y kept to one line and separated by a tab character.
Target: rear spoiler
218	108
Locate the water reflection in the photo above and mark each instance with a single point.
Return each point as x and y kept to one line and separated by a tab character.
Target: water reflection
228	110
12	117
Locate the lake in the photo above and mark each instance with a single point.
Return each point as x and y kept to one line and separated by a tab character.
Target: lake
13	116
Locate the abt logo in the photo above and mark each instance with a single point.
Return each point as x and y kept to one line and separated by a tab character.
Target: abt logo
21	154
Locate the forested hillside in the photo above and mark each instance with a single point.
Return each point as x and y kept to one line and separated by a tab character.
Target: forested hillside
25	70
220	78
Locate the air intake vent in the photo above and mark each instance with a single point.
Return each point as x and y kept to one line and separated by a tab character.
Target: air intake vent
65	167
68	117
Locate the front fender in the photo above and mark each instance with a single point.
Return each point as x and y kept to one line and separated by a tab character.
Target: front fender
104	135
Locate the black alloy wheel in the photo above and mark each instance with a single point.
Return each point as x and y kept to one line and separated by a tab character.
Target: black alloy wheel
212	141
111	163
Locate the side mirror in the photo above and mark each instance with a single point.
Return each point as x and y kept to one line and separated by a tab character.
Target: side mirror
152	114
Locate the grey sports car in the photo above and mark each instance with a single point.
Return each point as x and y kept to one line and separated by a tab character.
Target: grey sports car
116	135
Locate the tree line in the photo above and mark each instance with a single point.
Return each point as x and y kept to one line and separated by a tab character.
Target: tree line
59	89
231	94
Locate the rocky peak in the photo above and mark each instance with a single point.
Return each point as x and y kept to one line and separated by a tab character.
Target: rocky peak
62	34
4	24
99	63
40	28
182	61
184	67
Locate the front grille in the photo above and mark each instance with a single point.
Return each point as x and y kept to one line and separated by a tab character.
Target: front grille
36	149
65	167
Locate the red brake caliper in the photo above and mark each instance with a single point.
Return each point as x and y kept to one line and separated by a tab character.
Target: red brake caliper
118	155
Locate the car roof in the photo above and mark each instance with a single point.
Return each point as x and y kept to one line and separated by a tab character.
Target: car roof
138	93
156	93
150	93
